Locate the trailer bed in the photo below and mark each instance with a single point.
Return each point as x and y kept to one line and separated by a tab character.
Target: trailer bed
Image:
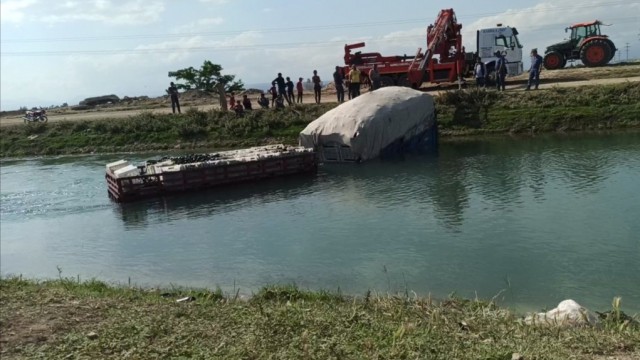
126	182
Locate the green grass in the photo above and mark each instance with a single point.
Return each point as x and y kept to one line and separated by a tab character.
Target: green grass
460	113
55	319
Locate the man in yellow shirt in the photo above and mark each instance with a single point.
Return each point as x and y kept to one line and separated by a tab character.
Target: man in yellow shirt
354	79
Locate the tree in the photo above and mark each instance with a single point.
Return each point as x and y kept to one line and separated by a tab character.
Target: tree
206	78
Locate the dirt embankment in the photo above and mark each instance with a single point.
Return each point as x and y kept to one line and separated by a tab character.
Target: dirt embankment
568	77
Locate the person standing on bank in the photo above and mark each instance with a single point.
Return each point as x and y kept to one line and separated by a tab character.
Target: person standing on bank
501	71
374	76
173	93
317	86
338	81
282	86
534	70
354	80
479	73
290	95
300	89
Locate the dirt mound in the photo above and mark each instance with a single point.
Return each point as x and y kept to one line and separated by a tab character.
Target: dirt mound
100	100
130	100
197	95
252	91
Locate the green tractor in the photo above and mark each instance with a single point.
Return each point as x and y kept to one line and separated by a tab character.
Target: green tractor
586	44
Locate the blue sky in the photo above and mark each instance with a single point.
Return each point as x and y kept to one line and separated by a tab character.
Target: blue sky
65	50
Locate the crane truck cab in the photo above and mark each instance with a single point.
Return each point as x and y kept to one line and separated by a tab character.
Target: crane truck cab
505	40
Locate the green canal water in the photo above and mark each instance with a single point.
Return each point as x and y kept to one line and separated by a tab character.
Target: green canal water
533	221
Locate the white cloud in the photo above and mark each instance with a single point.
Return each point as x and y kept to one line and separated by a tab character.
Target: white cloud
143	71
217	2
200	25
135	12
13	11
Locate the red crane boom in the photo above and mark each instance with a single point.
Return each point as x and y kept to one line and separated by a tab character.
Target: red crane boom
444	39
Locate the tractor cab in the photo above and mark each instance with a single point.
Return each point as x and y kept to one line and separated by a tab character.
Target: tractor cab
582	31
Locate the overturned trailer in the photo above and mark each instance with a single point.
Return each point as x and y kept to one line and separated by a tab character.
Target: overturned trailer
382	123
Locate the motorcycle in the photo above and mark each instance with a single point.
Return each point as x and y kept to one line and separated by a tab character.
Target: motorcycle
36	116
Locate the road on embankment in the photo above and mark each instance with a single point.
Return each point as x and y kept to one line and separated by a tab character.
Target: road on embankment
103	114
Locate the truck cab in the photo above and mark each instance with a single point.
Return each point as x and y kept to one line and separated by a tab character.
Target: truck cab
505	40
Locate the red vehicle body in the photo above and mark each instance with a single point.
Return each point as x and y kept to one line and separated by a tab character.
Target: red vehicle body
444	39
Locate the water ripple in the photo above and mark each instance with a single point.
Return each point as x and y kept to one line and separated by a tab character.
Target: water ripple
534	211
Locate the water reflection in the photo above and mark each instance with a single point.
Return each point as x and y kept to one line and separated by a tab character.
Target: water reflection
554	215
502	174
210	202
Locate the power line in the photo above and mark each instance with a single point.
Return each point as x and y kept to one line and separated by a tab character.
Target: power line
301	28
223	48
627	47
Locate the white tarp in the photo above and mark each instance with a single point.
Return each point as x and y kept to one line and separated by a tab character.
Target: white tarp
373	121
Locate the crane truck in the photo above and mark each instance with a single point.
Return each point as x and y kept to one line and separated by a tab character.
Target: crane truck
444	59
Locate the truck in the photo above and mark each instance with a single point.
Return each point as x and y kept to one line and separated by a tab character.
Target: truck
445	59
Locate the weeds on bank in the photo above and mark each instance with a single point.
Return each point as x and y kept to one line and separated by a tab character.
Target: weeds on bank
466	111
555	109
70	318
210	129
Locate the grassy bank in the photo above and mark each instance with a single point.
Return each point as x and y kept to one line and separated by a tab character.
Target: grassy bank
460	113
67	319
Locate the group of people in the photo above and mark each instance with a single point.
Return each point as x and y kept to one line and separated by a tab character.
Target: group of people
480	72
282	89
353	81
240	106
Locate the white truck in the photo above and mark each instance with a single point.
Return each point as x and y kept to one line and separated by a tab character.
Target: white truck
503	39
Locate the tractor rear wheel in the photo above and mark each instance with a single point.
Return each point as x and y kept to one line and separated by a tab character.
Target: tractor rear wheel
595	53
554	60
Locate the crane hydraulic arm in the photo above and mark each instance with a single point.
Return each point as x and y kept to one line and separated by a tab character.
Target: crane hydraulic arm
444	39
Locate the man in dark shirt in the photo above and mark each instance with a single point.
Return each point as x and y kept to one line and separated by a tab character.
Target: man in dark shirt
263	101
501	71
173	92
374	76
282	86
290	87
338	81
317	86
534	70
246	102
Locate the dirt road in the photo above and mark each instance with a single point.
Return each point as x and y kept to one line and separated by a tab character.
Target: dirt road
123	112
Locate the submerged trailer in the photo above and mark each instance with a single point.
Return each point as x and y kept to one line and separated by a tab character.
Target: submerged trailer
385	123
127	182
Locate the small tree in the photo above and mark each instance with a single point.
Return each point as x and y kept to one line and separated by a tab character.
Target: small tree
206	79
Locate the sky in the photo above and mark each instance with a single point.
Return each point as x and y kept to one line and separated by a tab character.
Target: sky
54	52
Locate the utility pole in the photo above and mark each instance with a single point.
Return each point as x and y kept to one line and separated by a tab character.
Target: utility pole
627	47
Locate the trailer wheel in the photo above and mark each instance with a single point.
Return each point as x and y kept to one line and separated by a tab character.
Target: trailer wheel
387	80
554	60
403	81
595	53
